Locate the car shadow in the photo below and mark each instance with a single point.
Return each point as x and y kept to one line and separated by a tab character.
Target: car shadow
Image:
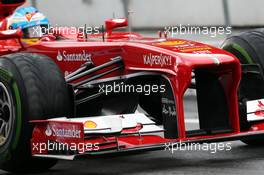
163	161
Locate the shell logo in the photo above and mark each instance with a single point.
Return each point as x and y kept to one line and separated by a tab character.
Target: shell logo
90	124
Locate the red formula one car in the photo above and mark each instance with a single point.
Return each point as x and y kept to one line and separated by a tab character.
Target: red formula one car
68	96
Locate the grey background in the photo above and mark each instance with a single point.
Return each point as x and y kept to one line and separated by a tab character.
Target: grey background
153	13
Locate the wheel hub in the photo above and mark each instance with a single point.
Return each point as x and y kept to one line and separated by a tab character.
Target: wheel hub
6	114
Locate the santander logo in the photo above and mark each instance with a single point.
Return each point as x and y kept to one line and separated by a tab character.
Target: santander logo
69	132
69	57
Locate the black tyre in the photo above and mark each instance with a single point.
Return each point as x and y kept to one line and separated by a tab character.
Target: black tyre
248	47
31	88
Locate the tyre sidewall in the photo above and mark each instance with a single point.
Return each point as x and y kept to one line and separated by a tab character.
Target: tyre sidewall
236	44
18	140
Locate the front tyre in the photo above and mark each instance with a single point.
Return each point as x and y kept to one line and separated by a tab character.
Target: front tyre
31	88
248	48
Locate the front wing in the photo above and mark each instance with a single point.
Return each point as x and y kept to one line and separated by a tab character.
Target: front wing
65	138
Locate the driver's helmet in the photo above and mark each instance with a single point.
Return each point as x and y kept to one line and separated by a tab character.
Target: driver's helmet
33	23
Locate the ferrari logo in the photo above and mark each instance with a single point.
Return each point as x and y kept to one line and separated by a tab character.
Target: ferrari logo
29	16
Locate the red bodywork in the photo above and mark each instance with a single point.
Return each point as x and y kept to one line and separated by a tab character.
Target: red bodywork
178	60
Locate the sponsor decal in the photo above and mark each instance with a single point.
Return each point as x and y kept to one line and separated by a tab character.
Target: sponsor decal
255	110
259	111
172	43
67	57
29	16
187	45
30	41
155	59
168	107
202	52
167	101
48	131
90	124
63	132
197	48
169	110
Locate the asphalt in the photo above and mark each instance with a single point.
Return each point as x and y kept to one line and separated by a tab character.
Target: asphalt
241	159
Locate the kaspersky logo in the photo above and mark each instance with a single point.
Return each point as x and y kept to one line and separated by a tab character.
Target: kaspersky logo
157	59
63	132
68	57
